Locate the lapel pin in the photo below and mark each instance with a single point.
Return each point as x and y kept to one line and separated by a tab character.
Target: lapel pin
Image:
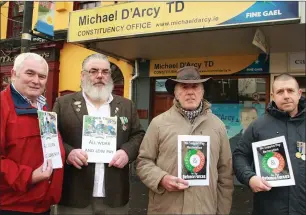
116	110
78	109
77	102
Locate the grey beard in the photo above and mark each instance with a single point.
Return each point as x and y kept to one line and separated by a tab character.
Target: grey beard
98	94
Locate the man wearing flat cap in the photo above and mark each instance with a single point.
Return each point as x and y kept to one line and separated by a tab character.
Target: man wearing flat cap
157	162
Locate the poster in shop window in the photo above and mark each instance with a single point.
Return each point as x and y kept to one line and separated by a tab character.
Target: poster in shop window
272	162
193	159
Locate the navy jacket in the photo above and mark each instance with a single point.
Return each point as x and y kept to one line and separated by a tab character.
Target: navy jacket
279	200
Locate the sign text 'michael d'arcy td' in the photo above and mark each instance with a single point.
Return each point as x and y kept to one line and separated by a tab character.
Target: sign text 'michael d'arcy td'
151	12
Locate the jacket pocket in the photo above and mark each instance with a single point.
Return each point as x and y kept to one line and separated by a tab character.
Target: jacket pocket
35	194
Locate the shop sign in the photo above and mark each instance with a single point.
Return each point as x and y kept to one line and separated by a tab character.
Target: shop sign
219	65
141	18
8	59
297	62
45	20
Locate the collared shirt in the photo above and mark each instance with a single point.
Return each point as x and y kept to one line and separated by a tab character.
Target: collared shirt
103	111
41	100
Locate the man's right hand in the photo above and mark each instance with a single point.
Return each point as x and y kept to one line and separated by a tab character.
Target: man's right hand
77	158
172	183
259	184
40	174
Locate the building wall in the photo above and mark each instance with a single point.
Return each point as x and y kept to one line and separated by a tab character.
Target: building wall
279	64
302	6
71	56
3	20
71	59
143	94
62	10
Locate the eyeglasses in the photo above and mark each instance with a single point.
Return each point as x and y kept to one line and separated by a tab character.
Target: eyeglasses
94	72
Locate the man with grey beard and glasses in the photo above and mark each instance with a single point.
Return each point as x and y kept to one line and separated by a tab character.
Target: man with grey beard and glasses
96	188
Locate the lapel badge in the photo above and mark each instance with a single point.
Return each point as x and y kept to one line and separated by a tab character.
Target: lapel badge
77	102
300	150
124	121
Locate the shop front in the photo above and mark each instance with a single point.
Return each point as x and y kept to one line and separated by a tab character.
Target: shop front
217	37
51	55
239	91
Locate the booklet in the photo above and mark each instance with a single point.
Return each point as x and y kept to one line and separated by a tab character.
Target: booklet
49	138
99	138
272	161
193	159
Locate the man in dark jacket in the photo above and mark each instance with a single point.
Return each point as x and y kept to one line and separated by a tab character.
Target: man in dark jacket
97	188
285	117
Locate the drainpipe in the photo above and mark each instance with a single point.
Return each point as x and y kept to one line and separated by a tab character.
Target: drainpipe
133	78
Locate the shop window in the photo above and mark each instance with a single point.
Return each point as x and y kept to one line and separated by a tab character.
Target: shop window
79	5
15	19
237	101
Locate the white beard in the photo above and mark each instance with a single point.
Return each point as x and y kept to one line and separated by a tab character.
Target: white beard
98	93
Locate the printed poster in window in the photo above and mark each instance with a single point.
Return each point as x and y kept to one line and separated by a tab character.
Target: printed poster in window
272	162
193	159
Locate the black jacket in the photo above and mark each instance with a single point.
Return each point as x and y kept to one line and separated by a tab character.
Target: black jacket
279	200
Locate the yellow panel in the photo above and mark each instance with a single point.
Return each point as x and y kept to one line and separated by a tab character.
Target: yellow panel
61	17
4	15
60	6
71	59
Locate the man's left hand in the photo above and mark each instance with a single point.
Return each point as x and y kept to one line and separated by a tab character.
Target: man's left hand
120	159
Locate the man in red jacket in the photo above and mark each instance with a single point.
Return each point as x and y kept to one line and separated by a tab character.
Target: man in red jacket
25	186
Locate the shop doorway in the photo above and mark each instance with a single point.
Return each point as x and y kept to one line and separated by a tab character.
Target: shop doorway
118	80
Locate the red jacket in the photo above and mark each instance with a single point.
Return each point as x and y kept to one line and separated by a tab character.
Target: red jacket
21	153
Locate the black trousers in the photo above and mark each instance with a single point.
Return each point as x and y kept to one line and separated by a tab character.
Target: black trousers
2	212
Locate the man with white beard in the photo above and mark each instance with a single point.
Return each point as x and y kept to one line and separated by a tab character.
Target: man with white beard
96	188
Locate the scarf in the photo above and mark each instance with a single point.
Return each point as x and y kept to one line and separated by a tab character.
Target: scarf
191	114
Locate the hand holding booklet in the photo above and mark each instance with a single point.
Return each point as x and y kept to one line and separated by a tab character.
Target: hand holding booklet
272	161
